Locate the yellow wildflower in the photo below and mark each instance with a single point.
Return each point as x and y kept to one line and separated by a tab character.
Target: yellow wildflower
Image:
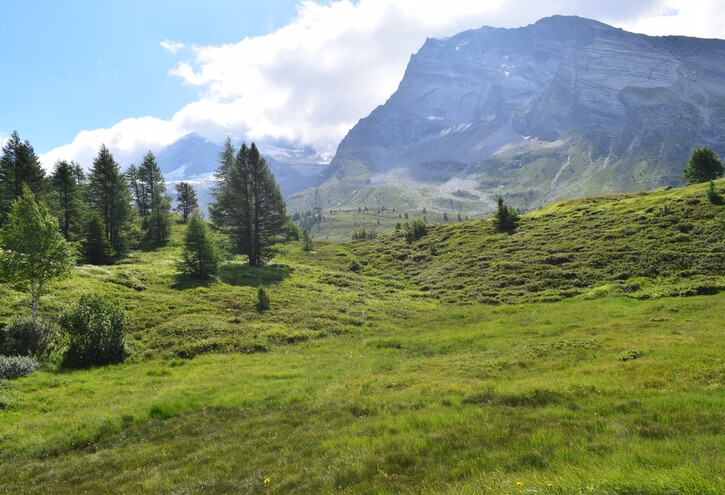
267	481
519	483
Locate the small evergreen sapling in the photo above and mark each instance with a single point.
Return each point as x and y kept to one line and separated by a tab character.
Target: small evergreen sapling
200	258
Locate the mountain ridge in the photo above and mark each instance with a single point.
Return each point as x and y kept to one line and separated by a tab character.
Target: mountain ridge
560	108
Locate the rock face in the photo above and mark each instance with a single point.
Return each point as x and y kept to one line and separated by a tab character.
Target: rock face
561	108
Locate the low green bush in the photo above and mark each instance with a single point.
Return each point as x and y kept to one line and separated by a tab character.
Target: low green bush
23	338
95	330
12	367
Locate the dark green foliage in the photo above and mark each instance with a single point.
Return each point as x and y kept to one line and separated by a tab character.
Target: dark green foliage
306	240
415	230
66	183
25	338
713	196
362	234
248	204
12	367
291	231
704	165
200	258
186	200
32	250
109	195
19	166
506	218
263	301
96	249
95	330
354	266
149	193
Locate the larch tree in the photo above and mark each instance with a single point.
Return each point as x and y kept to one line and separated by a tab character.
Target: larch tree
32	249
109	195
248	204
704	165
186	200
19	166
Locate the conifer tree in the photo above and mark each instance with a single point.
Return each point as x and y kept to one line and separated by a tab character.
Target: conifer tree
506	218
154	205
109	195
66	183
248	204
96	249
19	166
186	201
200	258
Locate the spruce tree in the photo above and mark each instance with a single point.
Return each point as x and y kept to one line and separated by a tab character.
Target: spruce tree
200	258
19	166
96	249
186	201
66	183
109	195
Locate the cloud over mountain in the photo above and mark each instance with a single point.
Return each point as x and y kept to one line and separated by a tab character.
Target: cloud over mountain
309	82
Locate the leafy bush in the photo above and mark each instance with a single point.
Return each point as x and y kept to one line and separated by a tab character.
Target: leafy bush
262	300
23	338
630	354
95	330
12	367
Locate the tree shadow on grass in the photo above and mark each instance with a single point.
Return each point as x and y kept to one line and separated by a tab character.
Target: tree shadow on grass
253	276
183	282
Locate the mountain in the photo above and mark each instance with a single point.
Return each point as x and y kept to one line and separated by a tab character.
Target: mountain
194	158
558	109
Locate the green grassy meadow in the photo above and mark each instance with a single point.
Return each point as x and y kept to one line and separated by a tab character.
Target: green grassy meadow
408	377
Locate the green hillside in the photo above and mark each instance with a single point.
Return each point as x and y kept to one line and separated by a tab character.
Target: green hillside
562	358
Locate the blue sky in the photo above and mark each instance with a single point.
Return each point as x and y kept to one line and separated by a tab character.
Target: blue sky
139	74
74	65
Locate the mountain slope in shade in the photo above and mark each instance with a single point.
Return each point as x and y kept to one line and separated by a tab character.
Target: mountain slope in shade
194	158
561	108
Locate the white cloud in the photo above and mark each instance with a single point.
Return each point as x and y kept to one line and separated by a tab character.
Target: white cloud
311	80
171	46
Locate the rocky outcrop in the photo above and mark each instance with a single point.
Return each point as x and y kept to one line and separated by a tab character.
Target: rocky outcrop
580	106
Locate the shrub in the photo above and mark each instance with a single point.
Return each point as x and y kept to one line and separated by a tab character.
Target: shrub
95	330
712	195
415	230
354	266
23	338
12	367
262	300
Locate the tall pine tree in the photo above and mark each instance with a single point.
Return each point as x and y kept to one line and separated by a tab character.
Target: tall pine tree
19	166
154	205
66	183
248	204
109	195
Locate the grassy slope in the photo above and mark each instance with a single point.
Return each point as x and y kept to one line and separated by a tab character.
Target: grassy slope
646	245
407	392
